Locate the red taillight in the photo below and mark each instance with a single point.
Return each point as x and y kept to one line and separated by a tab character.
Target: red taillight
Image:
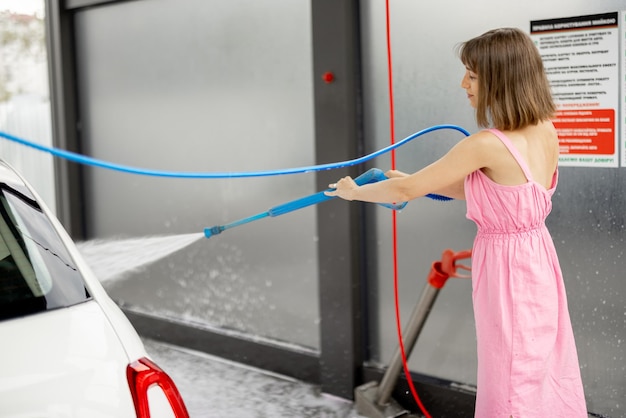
142	374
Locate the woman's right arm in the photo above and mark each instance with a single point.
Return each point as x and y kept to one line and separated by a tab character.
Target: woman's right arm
445	175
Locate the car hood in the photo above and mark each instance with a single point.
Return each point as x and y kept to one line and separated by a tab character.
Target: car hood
63	363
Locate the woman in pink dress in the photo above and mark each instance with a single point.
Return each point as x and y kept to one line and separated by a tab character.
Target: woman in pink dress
527	359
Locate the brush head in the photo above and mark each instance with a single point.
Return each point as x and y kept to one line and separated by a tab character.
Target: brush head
209	232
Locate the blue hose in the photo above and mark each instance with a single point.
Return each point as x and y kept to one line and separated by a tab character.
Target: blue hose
82	159
370	176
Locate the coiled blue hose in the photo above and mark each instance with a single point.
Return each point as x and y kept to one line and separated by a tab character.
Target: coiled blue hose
82	159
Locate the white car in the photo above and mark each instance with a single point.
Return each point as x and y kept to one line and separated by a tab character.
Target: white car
66	349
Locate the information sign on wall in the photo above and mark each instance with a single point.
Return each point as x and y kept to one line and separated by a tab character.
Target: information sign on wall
581	56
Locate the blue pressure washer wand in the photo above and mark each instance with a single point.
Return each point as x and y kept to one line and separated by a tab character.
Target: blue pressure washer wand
370	176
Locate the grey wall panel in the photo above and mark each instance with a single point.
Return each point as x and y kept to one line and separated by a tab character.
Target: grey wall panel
587	222
200	85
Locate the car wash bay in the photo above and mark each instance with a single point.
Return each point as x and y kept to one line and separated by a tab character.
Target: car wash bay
255	85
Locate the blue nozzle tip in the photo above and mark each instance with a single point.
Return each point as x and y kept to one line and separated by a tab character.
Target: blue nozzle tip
209	232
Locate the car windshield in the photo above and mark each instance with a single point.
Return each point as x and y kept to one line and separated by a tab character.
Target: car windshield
36	271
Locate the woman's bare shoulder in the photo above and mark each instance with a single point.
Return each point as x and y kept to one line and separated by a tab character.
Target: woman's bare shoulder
485	143
483	137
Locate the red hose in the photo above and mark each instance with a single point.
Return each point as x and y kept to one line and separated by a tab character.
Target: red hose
394	223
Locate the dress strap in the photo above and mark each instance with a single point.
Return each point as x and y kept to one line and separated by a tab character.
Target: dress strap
518	157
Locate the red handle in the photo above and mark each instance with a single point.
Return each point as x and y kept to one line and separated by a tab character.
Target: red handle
442	270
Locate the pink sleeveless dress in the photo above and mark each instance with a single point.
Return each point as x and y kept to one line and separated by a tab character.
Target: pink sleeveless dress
527	359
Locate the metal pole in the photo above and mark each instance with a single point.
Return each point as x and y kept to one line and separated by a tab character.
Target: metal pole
414	327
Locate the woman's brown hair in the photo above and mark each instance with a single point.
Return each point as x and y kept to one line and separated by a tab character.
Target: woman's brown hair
513	90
